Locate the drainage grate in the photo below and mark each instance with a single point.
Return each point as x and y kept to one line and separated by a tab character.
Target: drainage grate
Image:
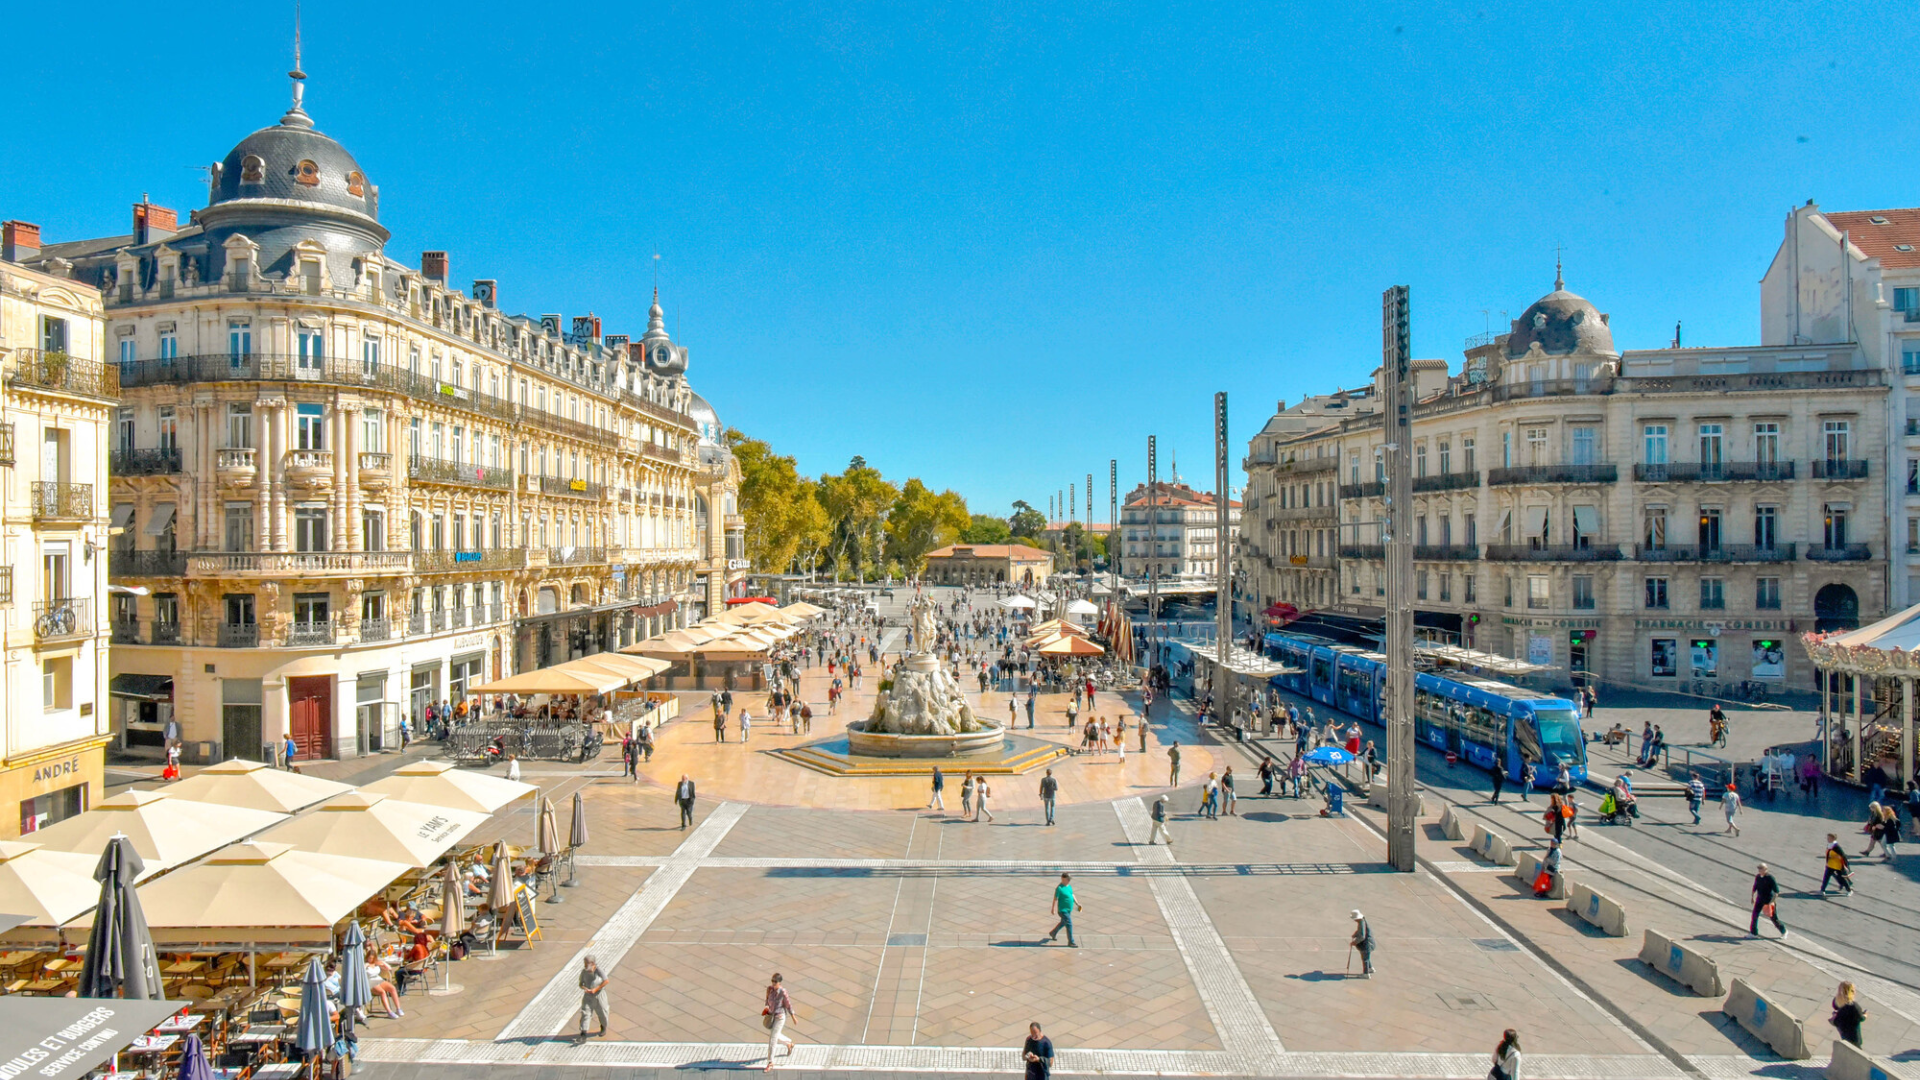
1462	1001
1489	944
906	939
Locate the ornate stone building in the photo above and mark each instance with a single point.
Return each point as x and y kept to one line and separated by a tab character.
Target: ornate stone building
1647	518
348	488
55	405
1181	541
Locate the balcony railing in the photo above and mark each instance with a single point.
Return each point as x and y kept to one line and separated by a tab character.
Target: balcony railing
1308	465
6	584
147	563
457	618
376	629
1605	473
575	556
1363	551
213	564
1438	552
433	470
1367	490
62	617
1723	553
43	370
1678	472
1838	469
351	371
6	444
440	620
244	635
165	633
160	461
417	622
579	489
54	501
663	454
1453	481
450	562
1843	553
1553	553
1303	513
126	631
311	632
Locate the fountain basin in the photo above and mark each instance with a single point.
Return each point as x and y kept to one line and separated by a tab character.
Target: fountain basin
877	744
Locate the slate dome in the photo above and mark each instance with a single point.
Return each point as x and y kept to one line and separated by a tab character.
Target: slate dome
1562	323
295	163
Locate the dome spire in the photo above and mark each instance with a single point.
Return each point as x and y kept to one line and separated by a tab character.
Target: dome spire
1559	279
656	320
297	117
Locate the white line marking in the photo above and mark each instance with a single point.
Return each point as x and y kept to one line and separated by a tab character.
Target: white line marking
547	1013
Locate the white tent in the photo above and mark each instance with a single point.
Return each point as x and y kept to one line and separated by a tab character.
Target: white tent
1018	602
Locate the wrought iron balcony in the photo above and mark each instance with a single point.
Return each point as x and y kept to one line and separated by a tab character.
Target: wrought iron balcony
6	444
126	631
376	629
159	461
1553	553
1839	469
165	633
1842	553
1453	481
146	563
238	635
1363	551
452	562
576	556
1367	490
1679	472
578	488
433	470
62	617
41	369
1604	473
53	501
311	632
1441	552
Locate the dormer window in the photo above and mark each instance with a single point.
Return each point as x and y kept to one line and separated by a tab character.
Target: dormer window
356	184
307	174
253	170
1879	219
1903	247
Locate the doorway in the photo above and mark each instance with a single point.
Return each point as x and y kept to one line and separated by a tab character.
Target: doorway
310	716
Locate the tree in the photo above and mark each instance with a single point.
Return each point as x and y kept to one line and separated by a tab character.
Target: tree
986	529
855	502
782	513
1026	521
922	521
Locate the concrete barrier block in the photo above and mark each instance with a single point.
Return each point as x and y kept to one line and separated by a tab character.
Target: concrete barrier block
1450	824
1686	966
1849	1062
1597	909
1377	798
1766	1021
1492	846
1527	867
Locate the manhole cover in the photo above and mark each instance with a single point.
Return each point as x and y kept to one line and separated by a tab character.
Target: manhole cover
1461	1001
906	939
1496	945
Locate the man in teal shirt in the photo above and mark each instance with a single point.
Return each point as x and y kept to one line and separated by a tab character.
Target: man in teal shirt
1065	905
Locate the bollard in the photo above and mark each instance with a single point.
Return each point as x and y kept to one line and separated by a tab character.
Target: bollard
1688	967
1769	1023
1597	909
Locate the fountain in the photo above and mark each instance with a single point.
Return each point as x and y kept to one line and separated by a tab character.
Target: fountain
922	712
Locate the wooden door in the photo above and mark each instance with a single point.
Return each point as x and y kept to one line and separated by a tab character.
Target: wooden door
310	716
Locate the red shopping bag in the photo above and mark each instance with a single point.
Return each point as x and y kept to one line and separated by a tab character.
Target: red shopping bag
1543	883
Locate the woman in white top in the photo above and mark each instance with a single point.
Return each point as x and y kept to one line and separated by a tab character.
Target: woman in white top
1506	1057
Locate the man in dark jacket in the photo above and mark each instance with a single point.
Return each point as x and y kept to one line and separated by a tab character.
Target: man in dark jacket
683	794
1766	893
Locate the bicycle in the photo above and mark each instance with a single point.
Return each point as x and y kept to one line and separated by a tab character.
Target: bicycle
56	622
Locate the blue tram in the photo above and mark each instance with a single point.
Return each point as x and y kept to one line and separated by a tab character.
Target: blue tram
1483	721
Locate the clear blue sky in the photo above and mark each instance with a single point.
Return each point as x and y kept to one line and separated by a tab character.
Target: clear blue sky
994	245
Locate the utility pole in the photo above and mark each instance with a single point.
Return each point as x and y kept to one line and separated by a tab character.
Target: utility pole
1113	522
1397	545
1222	604
1153	552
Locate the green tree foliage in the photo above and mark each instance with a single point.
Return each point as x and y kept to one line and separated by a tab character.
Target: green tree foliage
856	502
784	517
922	521
1026	521
985	529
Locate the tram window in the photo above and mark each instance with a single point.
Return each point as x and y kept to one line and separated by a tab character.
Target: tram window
1524	735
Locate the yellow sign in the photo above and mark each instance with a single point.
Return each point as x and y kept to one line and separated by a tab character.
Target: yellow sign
578	485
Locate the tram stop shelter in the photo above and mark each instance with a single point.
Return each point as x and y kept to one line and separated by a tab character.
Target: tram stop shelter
1867	696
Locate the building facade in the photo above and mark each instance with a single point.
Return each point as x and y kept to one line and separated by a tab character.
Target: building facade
1643	518
1183	537
348	489
989	564
55	405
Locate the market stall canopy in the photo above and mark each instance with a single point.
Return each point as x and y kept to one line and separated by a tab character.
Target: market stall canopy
553	680
802	609
1068	645
1081	607
438	783
255	785
631	668
46	888
166	831
751	615
672	643
372	825
61	1036
1019	602
1061	625
259	891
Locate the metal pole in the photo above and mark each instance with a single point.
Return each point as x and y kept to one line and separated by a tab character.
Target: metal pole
1223	609
1397	543
1113	521
1153	552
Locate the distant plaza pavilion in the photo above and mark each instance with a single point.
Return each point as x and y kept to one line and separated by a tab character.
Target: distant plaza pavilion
989	564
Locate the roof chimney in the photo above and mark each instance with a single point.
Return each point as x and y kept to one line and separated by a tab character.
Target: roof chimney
19	241
433	266
152	222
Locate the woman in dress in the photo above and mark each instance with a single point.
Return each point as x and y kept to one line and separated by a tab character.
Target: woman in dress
980	793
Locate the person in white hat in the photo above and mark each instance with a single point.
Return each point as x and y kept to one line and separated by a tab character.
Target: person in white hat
1363	940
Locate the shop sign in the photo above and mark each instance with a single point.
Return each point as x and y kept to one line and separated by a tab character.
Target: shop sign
56	770
471	641
1776	625
1552	624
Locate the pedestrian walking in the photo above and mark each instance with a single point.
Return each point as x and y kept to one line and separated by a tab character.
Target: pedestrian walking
1730	807
1266	776
966	795
1297	773
1837	868
939	785
1210	797
1049	789
1013	714
513	767
1362	940
1848	1017
719	725
683	794
1173	764
1527	774
1065	905
1037	1053
593	996
746	722
1499	776
289	750
774	1016
1159	815
980	793
1506	1057
1766	901
1226	795
646	746
1696	795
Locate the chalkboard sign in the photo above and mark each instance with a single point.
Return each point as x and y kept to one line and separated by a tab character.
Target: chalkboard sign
529	925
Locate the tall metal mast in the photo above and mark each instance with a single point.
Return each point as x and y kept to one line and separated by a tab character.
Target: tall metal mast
1397	546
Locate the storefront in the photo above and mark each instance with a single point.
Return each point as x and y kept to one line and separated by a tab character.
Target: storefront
52	785
1713	651
142	710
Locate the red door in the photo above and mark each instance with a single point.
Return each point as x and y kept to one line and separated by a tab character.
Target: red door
310	716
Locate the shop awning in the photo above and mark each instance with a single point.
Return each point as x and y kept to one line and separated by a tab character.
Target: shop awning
632	668
122	516
1536	521
161	521
553	680
262	892
141	687
1586	520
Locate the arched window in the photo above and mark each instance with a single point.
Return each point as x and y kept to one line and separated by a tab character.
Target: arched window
306	173
356	183
1835	607
253	170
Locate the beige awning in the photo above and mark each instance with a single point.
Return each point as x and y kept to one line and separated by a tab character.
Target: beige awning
165	831
754	614
632	668
802	609
262	892
438	783
255	785
553	680
674	643
1068	645
48	887
372	825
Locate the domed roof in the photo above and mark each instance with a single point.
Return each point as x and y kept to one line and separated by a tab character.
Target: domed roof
1561	323
704	418
291	161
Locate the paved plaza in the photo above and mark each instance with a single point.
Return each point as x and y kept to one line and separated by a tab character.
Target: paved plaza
914	941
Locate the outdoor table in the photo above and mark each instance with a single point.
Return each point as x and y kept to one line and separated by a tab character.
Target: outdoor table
151	1044
41	986
180	1025
184	967
16	958
254	1037
279	1070
61	964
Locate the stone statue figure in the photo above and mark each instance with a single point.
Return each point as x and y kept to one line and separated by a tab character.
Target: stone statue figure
923	697
920	620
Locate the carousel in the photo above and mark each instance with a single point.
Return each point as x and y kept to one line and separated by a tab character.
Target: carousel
1867	695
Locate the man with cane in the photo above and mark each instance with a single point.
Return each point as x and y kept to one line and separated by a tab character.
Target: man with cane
1362	940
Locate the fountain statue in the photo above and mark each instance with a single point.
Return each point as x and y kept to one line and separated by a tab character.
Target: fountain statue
922	712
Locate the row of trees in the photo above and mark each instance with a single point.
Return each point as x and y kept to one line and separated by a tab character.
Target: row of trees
858	525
